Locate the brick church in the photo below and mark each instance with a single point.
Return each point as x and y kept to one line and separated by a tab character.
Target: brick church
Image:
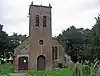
39	51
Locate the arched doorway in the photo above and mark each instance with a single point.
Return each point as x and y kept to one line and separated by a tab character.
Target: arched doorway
41	62
23	63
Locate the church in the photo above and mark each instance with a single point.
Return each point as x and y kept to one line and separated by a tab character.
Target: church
39	51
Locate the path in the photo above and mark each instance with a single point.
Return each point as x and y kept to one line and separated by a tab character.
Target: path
18	74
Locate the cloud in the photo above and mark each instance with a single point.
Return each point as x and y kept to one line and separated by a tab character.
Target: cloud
65	13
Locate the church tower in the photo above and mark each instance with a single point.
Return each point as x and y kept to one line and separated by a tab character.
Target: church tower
40	32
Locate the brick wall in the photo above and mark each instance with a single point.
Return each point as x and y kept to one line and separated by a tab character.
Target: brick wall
15	63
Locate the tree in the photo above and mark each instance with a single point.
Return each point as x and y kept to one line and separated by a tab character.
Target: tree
14	41
3	43
91	47
9	43
72	40
95	37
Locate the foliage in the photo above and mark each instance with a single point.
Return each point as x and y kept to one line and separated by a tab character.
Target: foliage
14	41
73	39
83	43
3	42
95	37
9	43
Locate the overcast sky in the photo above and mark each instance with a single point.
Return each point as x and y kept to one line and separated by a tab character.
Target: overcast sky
80	13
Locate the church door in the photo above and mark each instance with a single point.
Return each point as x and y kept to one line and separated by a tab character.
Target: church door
41	63
23	63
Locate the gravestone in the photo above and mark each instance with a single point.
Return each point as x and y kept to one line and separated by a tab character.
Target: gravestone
60	65
71	65
68	63
97	68
86	70
56	66
98	71
77	69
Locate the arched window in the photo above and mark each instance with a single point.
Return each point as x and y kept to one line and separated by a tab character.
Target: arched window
55	52
37	20
44	21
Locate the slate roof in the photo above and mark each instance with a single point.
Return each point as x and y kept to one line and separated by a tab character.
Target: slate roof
22	46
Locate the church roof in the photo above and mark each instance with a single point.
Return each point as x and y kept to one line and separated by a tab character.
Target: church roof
22	46
55	42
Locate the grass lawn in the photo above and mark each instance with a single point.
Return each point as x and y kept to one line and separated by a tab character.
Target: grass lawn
61	72
4	74
5	69
92	72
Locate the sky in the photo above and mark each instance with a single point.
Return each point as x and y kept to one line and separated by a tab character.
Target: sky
65	13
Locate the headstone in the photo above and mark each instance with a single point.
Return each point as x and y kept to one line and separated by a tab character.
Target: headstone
60	65
77	69
98	71
70	65
56	66
97	68
86	70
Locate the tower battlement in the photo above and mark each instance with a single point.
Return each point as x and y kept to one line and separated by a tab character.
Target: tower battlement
49	6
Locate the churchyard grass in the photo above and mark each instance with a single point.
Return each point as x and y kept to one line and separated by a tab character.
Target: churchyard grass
92	71
5	74
60	72
5	69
